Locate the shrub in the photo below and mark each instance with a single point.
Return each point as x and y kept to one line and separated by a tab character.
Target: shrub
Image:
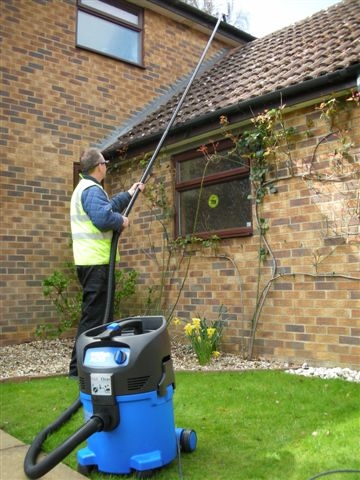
65	294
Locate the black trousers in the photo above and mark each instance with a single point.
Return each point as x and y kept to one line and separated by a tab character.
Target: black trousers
94	280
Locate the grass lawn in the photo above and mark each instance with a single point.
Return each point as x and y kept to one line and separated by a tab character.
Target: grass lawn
255	425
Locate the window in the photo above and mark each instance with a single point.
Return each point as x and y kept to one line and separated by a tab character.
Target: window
111	27
212	197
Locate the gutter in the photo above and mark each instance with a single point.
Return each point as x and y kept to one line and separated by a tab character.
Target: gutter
292	95
192	16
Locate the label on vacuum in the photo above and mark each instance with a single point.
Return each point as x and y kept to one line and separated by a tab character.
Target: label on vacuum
101	383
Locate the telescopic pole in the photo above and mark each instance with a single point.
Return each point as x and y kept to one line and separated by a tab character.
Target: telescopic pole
116	235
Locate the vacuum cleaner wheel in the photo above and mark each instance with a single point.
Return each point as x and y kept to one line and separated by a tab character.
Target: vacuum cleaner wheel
85	469
188	440
145	473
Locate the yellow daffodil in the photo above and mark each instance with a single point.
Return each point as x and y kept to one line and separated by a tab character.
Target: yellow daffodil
196	322
211	332
188	329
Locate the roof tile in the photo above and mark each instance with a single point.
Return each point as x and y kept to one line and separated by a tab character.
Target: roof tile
323	43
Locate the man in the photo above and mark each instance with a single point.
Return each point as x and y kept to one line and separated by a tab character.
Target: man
94	218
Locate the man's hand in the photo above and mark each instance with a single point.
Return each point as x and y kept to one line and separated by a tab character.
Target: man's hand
125	222
137	185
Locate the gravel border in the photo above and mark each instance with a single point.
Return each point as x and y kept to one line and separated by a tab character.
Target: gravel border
51	357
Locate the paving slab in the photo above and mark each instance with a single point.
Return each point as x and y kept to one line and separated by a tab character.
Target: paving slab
12	454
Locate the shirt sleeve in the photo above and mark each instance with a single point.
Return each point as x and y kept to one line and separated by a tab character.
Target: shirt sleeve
120	201
100	210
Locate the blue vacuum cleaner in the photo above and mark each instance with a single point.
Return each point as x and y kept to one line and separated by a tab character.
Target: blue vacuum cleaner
126	377
127	385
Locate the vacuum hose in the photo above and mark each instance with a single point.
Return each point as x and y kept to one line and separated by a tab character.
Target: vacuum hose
33	470
111	279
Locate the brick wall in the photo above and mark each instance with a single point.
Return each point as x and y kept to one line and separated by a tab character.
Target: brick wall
311	312
56	101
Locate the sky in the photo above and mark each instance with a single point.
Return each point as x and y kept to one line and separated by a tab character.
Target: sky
266	16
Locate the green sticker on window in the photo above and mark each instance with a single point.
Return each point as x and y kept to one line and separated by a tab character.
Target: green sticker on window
213	201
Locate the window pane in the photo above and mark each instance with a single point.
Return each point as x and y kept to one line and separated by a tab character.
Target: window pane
221	207
195	167
110	10
107	37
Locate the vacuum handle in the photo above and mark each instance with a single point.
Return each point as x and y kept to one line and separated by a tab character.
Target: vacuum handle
117	329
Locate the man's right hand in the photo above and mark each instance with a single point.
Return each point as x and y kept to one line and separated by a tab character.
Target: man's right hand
125	222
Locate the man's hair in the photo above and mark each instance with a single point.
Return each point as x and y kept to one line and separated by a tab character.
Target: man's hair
89	159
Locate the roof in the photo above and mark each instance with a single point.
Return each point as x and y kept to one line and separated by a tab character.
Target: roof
321	49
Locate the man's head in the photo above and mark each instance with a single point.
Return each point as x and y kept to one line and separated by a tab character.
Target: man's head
93	163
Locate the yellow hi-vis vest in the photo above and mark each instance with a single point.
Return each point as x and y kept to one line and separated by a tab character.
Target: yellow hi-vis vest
90	245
